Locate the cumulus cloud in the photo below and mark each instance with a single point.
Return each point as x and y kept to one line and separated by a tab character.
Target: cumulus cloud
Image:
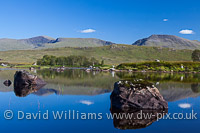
186	31
165	20
88	31
86	102
184	105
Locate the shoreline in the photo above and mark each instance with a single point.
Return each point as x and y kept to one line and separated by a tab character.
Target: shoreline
60	69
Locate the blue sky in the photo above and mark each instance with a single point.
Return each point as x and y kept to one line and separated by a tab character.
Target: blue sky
119	21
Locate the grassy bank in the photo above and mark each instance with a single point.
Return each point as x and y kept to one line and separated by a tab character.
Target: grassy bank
113	54
161	66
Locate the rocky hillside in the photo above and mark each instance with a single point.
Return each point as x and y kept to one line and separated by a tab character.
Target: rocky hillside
168	41
48	42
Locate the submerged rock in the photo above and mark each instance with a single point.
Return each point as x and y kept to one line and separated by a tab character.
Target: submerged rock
7	83
137	94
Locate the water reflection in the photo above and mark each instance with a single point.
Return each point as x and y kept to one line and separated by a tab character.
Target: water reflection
7	83
75	90
135	119
163	77
173	86
79	82
195	88
24	90
46	92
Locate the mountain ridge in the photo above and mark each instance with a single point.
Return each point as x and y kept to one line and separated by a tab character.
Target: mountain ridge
42	42
168	41
39	42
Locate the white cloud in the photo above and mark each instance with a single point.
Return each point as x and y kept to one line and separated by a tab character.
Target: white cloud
165	20
88	31
86	102
186	31
184	105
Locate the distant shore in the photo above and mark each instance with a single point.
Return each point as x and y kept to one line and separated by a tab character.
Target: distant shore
151	66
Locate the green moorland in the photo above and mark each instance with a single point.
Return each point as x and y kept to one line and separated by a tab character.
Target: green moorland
162	66
112	54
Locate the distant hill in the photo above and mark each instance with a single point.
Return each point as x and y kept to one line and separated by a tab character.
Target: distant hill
48	42
76	42
168	41
43	42
111	54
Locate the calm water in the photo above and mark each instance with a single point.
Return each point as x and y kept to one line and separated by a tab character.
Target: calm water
89	92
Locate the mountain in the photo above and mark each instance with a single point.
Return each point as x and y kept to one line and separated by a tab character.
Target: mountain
48	42
76	42
37	41
169	41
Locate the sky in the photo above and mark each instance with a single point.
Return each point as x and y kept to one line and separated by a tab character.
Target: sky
119	21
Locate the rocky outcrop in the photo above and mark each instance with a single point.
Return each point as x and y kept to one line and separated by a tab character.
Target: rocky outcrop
26	83
137	94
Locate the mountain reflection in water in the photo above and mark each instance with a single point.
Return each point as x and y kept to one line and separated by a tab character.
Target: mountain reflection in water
173	86
89	92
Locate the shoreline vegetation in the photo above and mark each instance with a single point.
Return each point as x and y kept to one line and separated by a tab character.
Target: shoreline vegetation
161	66
150	66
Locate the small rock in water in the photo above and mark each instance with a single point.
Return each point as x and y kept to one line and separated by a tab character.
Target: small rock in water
7	83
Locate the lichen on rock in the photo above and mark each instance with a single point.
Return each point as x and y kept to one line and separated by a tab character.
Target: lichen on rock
137	94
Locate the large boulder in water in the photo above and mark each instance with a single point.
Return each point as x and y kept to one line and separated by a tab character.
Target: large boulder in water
25	78
26	83
137	94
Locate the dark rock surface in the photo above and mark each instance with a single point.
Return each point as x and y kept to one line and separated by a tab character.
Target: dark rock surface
137	94
26	83
7	83
24	90
25	78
